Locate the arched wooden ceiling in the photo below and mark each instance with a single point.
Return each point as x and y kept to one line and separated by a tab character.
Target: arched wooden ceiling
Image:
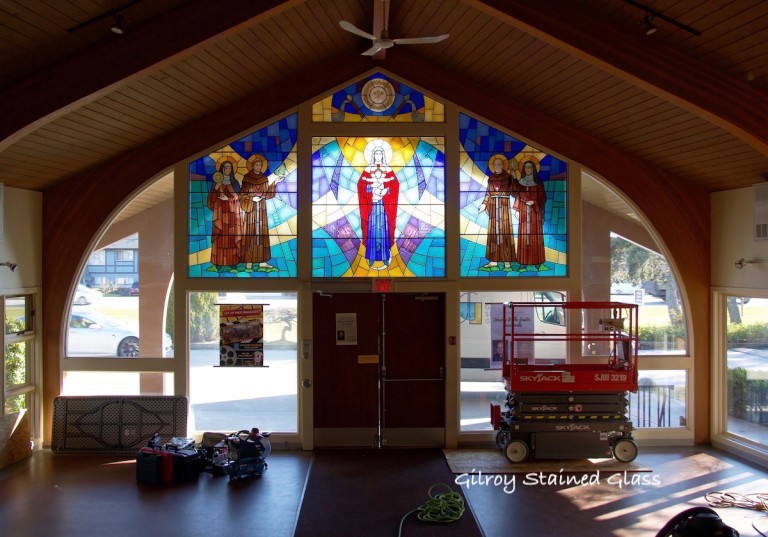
692	106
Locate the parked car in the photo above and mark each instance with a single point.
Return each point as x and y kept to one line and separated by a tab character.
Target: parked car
135	289
85	295
94	334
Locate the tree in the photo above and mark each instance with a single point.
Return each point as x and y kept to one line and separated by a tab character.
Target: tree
637	265
15	365
203	318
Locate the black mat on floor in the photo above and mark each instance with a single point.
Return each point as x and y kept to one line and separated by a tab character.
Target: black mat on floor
367	492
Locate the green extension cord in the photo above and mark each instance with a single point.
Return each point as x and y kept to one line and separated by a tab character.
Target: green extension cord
443	508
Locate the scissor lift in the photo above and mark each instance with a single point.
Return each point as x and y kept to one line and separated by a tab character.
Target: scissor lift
567	388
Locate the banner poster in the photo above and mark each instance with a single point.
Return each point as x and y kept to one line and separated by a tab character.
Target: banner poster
241	335
524	350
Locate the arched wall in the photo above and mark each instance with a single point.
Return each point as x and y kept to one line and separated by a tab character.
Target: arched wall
75	210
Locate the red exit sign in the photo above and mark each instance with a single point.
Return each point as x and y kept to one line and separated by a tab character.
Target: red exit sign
383	285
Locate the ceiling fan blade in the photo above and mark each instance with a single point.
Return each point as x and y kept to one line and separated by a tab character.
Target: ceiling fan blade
420	40
377	46
348	26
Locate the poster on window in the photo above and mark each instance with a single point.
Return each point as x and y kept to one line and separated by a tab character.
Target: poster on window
241	335
524	350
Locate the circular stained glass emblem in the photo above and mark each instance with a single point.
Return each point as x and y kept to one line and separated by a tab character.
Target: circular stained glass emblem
378	94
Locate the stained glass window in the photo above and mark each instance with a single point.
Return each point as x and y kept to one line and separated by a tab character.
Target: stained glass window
513	201
243	206
378	207
378	98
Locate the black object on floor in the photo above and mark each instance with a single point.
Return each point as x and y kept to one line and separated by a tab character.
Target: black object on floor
368	492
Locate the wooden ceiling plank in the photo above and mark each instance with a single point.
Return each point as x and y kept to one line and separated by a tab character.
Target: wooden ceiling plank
177	80
258	74
174	98
56	159
564	67
569	90
154	118
161	109
117	123
189	70
156	43
657	68
222	72
99	118
66	129
314	22
463	43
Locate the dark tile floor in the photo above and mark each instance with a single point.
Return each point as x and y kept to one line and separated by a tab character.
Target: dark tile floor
95	495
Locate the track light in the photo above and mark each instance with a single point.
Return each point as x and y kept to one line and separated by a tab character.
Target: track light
119	26
650	28
741	263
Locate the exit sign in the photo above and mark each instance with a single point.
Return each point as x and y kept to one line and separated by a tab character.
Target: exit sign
383	285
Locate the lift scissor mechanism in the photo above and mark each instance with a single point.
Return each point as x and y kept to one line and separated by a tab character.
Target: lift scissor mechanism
573	405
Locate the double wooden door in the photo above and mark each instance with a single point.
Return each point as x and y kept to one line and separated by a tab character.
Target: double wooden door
379	369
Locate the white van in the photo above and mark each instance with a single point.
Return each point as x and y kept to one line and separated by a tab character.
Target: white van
481	331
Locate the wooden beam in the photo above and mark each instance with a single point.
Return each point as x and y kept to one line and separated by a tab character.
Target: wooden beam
728	102
71	84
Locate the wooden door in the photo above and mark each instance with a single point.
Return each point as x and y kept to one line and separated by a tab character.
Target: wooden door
385	386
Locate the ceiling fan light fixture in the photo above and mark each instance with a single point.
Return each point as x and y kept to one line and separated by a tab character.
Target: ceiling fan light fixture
650	28
119	26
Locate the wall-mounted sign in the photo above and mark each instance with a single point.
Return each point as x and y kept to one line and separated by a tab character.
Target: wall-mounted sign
346	329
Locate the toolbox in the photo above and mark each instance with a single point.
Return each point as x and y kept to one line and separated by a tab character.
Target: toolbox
154	465
187	464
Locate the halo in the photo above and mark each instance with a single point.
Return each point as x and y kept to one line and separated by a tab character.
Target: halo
258	157
378	143
504	162
226	158
528	158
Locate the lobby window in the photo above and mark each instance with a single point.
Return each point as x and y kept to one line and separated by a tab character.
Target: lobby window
241	378
747	367
482	338
18	353
121	307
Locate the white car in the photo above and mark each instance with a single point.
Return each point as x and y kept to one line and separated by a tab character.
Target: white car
94	334
85	295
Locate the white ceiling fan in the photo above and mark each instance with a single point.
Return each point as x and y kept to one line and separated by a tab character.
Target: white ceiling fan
380	26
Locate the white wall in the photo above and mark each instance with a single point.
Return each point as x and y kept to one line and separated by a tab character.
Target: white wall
732	239
22	239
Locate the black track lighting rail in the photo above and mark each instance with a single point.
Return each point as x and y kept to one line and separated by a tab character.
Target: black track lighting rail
110	13
655	14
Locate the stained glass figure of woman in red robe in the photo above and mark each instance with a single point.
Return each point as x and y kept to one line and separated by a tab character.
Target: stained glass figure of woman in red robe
377	193
531	197
227	220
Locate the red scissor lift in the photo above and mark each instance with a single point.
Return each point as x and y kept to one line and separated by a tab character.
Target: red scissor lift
567	390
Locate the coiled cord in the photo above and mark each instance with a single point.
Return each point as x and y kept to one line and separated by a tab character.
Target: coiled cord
758	502
441	508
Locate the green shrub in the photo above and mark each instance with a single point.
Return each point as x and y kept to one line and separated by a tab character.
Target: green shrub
737	393
748	334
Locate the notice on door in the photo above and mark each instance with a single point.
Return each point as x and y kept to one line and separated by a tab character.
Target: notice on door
346	329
